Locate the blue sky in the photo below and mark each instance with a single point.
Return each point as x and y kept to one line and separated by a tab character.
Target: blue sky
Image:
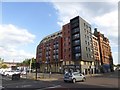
29	22
38	18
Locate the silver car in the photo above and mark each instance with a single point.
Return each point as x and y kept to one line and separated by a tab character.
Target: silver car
74	76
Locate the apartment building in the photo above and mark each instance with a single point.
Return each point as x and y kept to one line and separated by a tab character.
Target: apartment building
81	44
105	52
96	53
74	48
49	53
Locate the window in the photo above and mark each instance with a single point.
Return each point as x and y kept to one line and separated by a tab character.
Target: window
89	49
74	21
76	36
57	45
88	37
84	24
75	24
64	50
86	48
86	42
77	55
69	49
54	46
56	56
57	51
87	55
64	44
69	55
90	29
77	48
76	42
85	30
68	31
69	43
75	30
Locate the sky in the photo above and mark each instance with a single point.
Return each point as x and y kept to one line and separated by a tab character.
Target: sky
24	24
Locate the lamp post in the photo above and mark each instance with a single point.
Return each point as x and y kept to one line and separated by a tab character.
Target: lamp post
50	65
36	70
30	65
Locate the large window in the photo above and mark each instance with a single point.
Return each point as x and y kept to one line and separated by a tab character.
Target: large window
76	42
76	36
77	55
77	48
75	30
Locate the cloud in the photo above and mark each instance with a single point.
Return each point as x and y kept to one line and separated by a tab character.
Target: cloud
108	23
14	54
12	38
16	36
87	10
103	15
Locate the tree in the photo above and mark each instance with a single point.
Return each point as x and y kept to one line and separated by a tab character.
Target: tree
118	65
4	66
27	62
33	65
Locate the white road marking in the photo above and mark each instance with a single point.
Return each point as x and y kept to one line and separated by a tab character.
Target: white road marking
99	85
56	86
23	86
26	85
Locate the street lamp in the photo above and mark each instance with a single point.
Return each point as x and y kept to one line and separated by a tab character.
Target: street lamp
30	65
37	66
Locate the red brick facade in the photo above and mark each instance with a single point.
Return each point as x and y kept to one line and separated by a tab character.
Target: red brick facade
105	49
66	43
58	49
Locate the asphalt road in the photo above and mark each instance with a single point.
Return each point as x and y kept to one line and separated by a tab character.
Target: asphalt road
103	81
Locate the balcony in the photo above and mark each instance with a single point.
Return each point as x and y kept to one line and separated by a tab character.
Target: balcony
76	30
75	37
76	44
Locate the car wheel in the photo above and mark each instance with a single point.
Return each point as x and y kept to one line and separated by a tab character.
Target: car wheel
84	79
65	81
74	80
7	75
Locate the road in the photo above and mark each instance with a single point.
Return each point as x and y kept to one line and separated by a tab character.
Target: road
101	81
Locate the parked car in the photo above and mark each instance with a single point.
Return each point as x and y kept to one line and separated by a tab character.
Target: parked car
2	71
73	77
24	72
10	73
1	87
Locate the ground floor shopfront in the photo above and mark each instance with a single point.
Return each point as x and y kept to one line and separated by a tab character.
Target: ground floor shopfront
85	67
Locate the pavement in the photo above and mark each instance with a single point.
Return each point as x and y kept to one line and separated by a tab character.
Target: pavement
108	80
52	77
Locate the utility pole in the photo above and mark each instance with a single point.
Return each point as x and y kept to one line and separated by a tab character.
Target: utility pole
36	71
37	65
30	65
